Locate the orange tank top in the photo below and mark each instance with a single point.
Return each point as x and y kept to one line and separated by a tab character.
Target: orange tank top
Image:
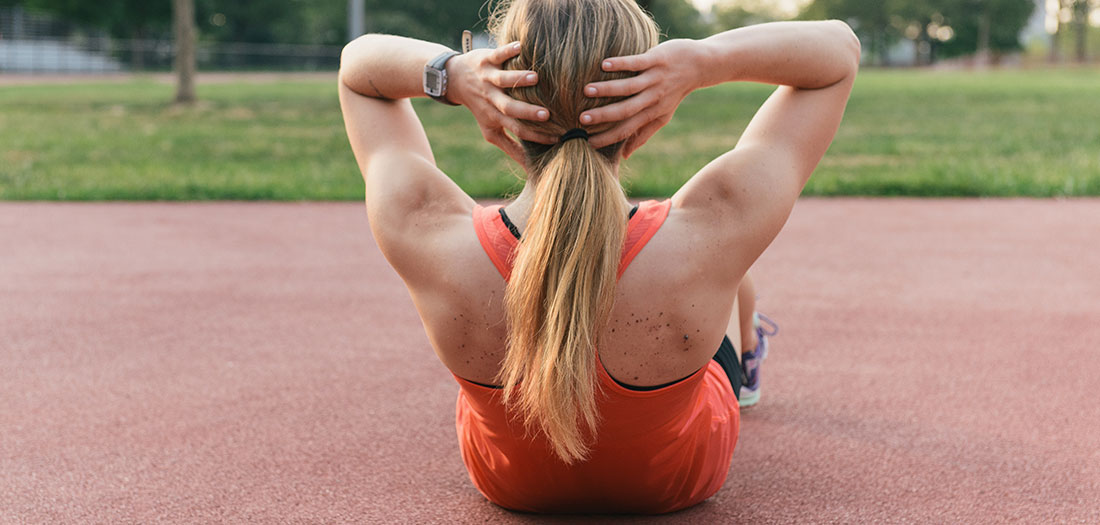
655	451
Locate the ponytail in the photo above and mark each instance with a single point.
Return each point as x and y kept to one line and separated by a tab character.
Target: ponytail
560	295
562	286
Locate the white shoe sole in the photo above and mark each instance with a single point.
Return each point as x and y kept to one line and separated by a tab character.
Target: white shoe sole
748	399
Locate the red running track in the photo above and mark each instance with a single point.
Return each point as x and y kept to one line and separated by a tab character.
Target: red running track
939	361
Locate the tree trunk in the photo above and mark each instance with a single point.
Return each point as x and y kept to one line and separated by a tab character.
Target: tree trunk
922	54
137	49
917	59
981	59
883	48
1081	21
1055	37
183	28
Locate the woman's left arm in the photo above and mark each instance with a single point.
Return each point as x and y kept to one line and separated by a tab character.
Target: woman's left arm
378	72
407	196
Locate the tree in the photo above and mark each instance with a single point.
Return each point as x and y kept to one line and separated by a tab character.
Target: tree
936	27
270	21
433	20
1056	36
985	26
921	21
1081	28
183	27
870	20
732	14
135	19
676	18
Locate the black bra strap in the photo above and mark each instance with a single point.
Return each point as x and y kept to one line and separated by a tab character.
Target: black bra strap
515	231
508	222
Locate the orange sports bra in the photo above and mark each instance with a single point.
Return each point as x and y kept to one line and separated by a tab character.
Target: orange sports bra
655	451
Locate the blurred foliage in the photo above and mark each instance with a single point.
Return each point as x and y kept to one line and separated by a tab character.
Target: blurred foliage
121	18
882	23
325	22
282	21
732	14
676	18
319	22
879	23
1006	19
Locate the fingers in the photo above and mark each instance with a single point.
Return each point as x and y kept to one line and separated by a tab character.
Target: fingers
513	79
620	110
619	88
629	63
526	133
513	108
504	112
499	55
620	131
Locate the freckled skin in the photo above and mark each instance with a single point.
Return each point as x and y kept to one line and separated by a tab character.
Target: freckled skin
718	223
657	302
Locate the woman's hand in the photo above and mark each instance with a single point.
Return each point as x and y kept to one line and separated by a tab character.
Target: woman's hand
477	82
667	73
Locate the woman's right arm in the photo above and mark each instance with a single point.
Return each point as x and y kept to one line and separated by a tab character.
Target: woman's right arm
802	55
752	188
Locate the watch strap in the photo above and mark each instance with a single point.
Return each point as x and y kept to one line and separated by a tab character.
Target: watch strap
439	64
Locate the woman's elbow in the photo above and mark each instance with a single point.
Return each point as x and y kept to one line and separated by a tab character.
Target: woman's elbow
853	49
352	59
356	50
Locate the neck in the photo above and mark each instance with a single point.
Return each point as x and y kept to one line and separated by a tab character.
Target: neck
520	209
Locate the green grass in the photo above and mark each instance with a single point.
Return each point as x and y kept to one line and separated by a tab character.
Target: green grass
1003	133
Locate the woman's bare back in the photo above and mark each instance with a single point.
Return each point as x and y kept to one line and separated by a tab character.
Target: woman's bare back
671	310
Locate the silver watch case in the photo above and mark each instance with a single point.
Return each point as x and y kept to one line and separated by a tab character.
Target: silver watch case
435	77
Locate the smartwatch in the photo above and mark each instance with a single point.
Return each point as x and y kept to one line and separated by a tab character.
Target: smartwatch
435	77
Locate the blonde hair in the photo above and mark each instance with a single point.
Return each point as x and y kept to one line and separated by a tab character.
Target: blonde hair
563	281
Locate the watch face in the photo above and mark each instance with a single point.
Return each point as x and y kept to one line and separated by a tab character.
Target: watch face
432	81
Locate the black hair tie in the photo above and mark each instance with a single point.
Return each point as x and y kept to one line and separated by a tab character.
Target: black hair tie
575	133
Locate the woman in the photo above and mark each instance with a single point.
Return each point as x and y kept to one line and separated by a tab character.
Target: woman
588	375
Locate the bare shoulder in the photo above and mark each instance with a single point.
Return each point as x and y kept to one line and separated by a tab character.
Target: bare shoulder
729	212
686	264
744	197
424	220
457	291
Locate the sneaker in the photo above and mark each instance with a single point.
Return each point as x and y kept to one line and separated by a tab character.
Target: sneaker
751	361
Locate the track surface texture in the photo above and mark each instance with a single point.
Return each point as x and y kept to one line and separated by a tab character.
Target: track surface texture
260	362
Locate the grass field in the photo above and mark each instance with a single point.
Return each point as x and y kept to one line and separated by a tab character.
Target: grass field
1002	133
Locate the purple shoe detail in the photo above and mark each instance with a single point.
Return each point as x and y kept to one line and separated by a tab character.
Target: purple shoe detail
751	361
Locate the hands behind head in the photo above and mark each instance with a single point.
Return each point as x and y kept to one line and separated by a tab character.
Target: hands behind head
478	82
665	76
664	79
